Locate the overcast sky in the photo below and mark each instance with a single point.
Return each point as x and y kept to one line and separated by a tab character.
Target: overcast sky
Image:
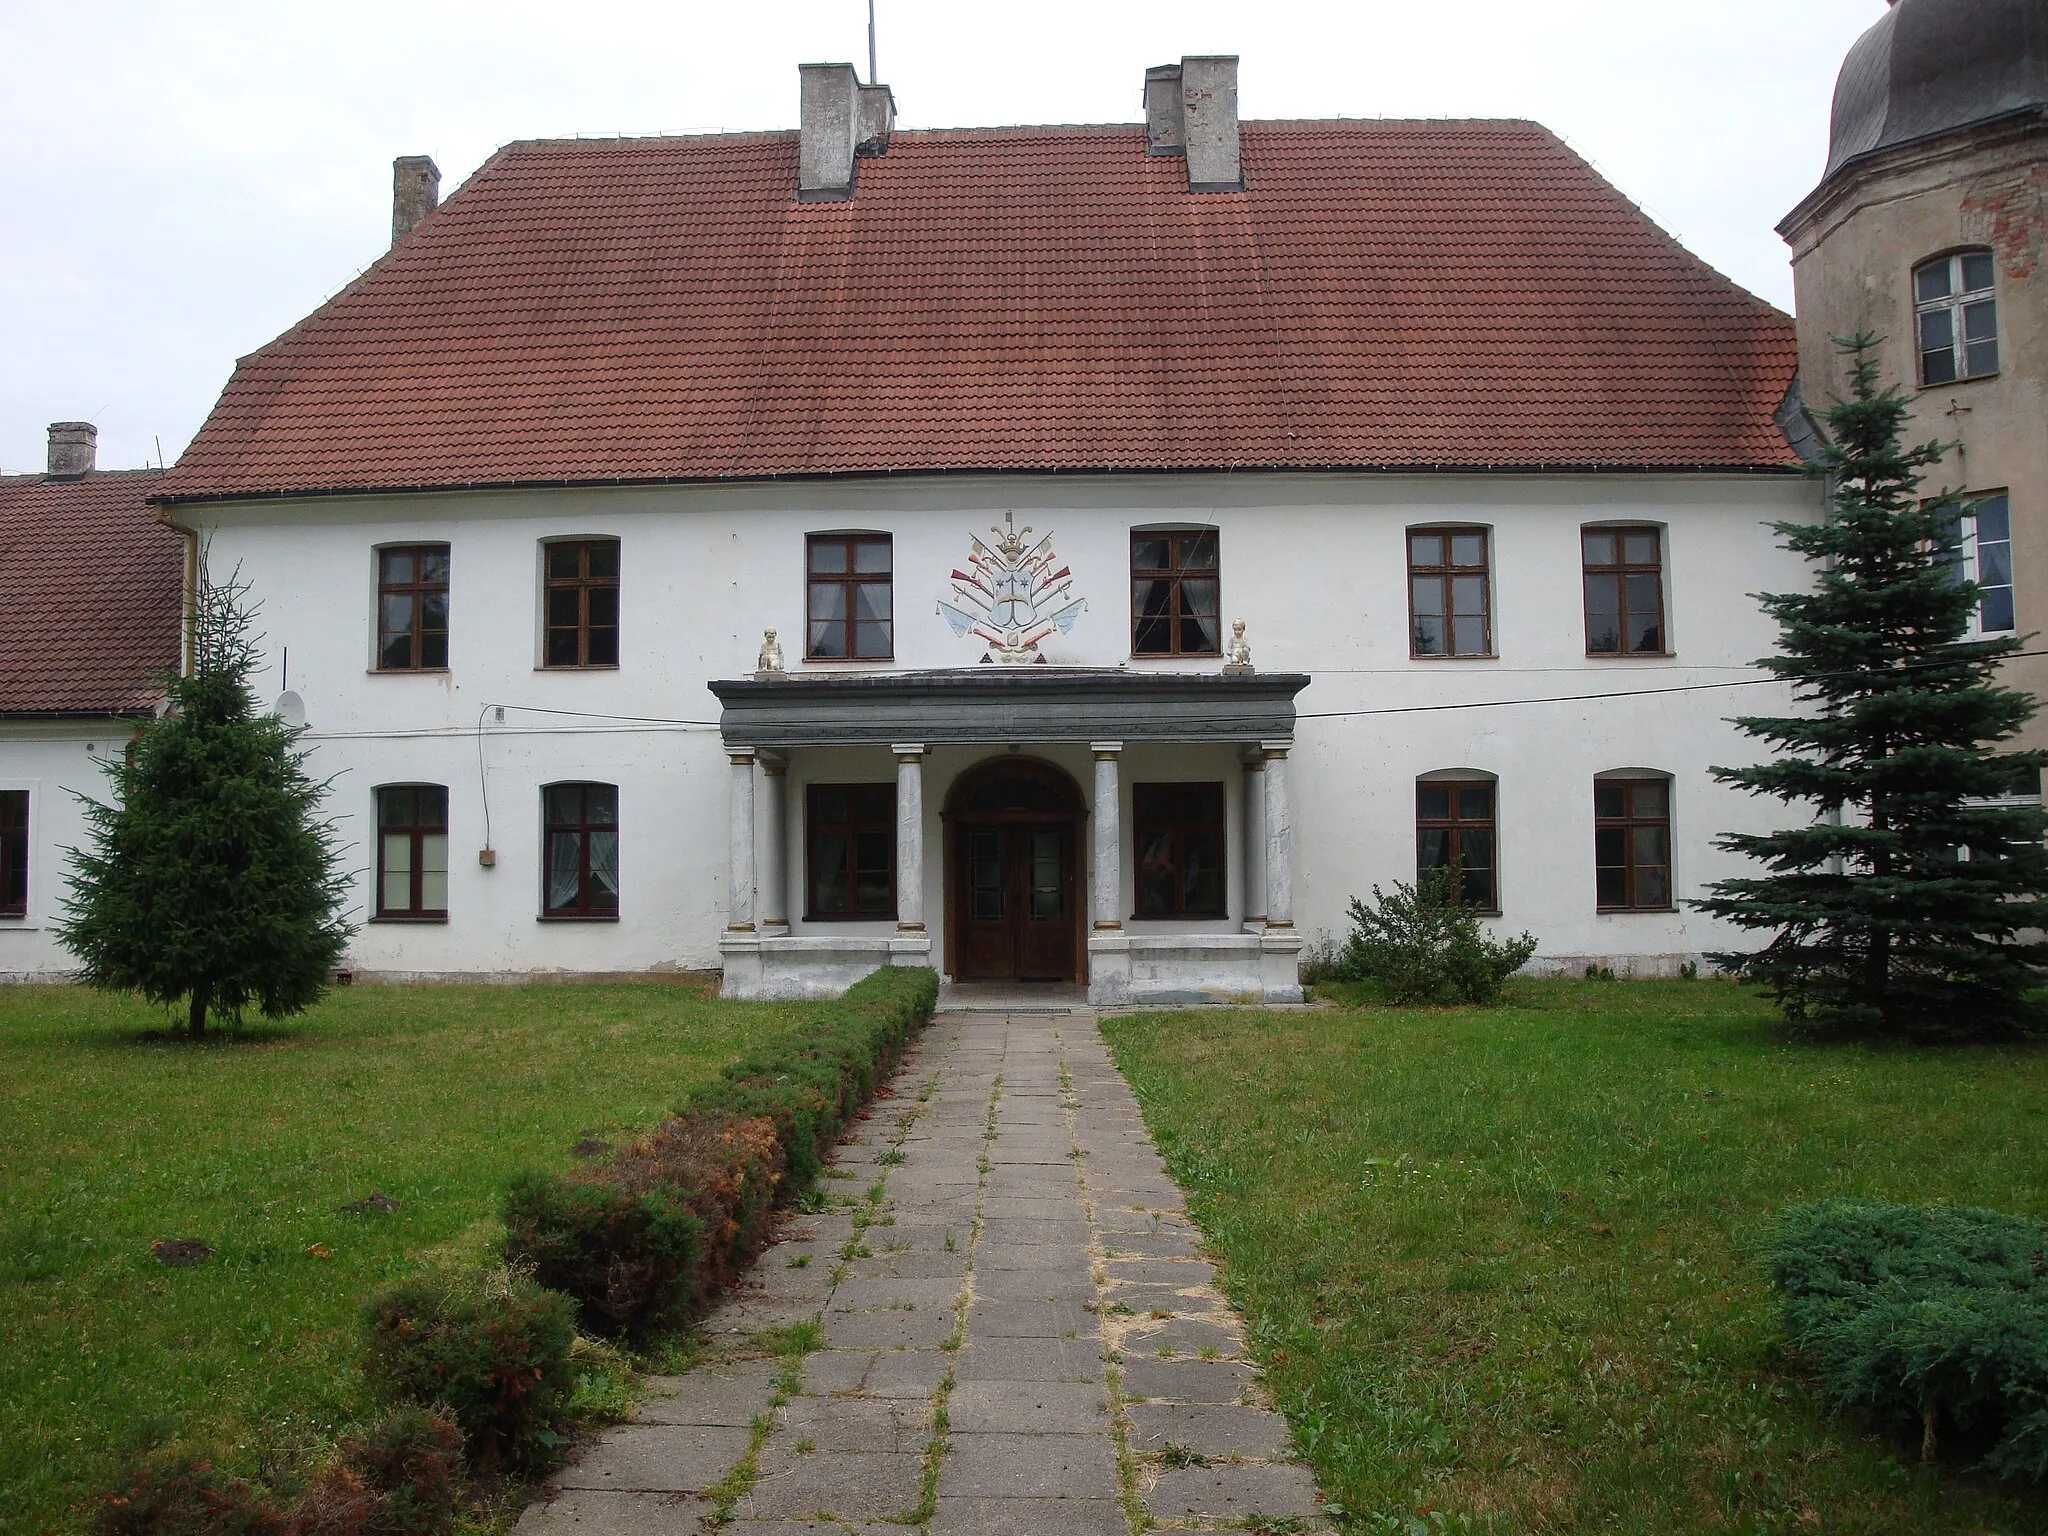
182	181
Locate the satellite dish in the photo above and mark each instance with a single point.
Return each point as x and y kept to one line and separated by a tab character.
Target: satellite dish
290	708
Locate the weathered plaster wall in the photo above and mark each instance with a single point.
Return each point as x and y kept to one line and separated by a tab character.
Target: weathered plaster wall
51	761
1855	244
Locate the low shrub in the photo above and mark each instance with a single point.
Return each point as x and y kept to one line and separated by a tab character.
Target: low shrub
1423	945
491	1349
654	1230
1925	1317
400	1476
178	1494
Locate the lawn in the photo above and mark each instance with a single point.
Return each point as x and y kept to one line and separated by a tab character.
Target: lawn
110	1141
1501	1264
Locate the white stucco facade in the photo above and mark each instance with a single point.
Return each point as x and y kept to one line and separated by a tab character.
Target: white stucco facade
1314	565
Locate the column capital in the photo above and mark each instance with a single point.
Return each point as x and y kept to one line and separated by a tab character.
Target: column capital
1276	749
1105	751
740	757
909	751
1253	759
774	764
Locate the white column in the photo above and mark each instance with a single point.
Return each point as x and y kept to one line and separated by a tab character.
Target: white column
774	864
1109	837
1279	840
740	807
909	837
1254	878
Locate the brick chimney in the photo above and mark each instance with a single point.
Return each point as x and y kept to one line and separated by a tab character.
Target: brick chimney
415	193
842	121
74	449
1191	111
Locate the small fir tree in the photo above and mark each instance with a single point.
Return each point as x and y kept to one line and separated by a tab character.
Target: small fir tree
210	877
1897	911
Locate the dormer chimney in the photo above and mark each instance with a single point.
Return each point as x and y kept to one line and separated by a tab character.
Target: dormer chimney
841	121
74	449
1191	111
415	193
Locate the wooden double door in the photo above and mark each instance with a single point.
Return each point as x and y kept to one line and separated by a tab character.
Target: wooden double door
1014	891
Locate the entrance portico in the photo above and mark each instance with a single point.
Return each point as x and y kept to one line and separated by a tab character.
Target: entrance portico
1201	914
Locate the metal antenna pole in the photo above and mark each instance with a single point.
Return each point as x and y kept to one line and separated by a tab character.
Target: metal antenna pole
873	79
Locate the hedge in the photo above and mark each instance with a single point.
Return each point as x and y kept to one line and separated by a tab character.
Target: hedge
643	1238
1925	1317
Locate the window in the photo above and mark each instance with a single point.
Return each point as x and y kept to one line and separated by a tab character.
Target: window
1448	612
412	608
1983	554
1179	850
1175	595
852	598
1632	844
582	603
850	850
581	878
1957	313
1624	591
412	852
1454	828
14	853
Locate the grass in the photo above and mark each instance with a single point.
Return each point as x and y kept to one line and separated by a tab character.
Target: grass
110	1141
1500	1265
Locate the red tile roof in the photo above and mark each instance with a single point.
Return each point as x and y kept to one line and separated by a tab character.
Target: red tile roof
94	590
1411	295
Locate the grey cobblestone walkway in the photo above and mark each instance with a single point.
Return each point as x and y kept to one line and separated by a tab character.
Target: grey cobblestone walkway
1015	1335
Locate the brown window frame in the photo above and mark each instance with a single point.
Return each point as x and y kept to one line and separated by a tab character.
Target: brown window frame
1455	825
416	591
1163	808
1626	823
14	853
583	909
1446	573
1618	571
584	585
873	807
417	830
1175	573
848	582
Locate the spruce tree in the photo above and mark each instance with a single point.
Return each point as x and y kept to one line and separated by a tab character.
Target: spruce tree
211	878
1897	910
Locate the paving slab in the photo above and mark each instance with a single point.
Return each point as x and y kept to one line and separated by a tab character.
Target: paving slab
1029	1517
912	1373
1033	1466
732	1394
1029	1407
1188	1381
590	1512
657	1458
1208	1429
851	1486
1219	1493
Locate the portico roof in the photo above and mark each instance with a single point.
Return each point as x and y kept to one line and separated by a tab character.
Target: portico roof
1003	704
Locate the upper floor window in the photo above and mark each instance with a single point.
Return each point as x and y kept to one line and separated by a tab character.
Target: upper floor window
852	597
850	850
1624	571
1175	594
1957	313
582	600
1454	829
412	851
580	853
14	853
1632	844
1983	553
1448	609
1179	850
412	608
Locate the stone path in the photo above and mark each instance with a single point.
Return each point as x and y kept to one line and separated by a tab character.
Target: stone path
1004	1330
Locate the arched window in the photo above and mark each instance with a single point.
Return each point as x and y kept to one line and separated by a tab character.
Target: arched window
580	850
1632	840
1956	316
1454	827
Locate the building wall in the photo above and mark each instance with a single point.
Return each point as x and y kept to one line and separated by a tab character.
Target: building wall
1855	244
1314	565
54	761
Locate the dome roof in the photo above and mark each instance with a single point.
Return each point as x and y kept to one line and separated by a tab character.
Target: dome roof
1932	66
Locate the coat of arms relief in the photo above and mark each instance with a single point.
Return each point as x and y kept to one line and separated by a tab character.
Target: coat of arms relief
1012	594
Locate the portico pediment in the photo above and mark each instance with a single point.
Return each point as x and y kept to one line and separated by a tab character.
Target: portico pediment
1007	704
